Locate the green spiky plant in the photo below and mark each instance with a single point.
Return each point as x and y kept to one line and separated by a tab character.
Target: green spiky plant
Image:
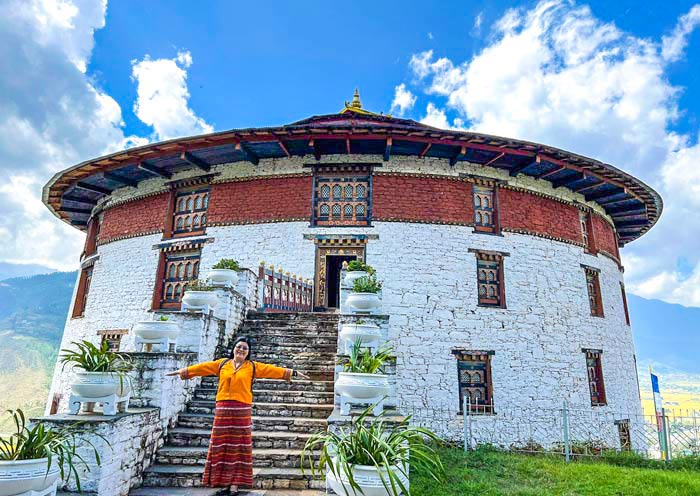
364	360
227	263
378	443
358	265
367	284
35	441
90	358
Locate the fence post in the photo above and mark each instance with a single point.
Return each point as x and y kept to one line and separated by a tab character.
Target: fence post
565	429
667	433
696	444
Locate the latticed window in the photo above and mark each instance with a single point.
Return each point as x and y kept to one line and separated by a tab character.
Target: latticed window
594	369
593	284
341	196
474	381
484	209
489	271
83	291
587	231
190	211
179	268
113	338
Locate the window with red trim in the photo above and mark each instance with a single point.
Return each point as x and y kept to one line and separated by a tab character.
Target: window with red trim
342	196
189	214
490	287
485	214
587	232
594	297
82	293
624	303
474	380
178	268
594	369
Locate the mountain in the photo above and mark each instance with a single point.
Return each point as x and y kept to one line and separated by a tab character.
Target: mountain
666	334
8	270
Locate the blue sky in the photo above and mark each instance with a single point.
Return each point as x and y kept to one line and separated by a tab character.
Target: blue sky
617	81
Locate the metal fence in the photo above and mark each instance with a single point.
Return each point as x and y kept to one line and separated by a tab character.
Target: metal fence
568	431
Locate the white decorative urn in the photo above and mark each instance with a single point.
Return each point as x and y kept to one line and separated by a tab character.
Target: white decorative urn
99	384
22	476
368	334
200	298
363	302
163	333
223	277
368	478
355	388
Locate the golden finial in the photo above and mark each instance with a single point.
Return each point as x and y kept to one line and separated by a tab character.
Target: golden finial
356	103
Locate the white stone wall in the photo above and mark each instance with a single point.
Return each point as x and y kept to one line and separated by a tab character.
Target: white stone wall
127	445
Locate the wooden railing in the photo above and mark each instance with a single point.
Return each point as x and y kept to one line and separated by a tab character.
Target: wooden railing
284	292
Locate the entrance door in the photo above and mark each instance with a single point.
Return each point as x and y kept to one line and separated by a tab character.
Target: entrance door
330	255
334	264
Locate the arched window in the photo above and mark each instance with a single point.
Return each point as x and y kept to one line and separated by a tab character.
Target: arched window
336	210
325	209
348	192
361	190
189	204
348	211
360	211
198	203
325	191
195	222
337	191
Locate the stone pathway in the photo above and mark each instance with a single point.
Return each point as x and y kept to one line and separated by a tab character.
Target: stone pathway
284	415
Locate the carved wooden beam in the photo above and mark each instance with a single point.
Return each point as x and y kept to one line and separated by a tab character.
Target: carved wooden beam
195	161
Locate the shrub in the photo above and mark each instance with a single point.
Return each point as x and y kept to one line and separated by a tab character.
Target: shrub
199	285
378	443
364	361
367	284
227	263
31	442
358	265
163	318
90	358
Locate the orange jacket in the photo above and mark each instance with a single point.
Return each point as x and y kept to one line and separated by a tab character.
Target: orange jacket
236	384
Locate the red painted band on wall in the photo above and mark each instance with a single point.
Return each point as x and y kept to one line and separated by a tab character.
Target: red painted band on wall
145	215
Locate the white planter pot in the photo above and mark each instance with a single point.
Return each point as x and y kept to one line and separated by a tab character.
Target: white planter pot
369	334
355	274
200	298
156	329
98	384
363	302
21	476
368	478
362	386
223	277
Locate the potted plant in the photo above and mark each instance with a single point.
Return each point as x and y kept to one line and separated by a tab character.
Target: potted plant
366	332
364	297
199	293
371	457
357	269
34	456
224	273
362	379
100	376
161	331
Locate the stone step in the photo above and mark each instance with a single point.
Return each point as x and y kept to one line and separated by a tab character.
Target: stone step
273	396
177	491
293	316
262	457
268	384
263	477
305	333
269	409
183	436
290	424
294	347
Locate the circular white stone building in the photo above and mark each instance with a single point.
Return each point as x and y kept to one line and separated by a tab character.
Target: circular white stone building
500	262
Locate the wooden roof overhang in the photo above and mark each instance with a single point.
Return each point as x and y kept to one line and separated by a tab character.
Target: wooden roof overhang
633	206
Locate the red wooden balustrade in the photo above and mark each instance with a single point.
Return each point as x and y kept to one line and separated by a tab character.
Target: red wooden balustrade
282	292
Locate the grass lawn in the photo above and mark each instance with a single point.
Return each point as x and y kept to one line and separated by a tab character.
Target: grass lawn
486	472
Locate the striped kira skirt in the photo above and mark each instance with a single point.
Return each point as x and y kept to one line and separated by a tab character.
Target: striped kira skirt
230	455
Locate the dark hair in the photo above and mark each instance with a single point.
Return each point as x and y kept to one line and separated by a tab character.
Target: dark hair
247	341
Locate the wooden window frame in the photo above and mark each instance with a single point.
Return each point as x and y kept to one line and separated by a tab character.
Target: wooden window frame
486	260
480	190
160	300
587	236
341	177
485	406
83	291
594	376
174	213
595	298
93	231
112	336
624	303
624	434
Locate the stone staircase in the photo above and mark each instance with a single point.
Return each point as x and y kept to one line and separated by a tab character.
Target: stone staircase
284	415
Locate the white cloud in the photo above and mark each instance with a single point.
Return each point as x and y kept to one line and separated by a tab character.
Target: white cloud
673	45
430	35
404	100
558	75
478	21
163	96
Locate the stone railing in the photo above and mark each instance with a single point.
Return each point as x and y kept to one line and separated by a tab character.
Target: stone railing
283	292
127	442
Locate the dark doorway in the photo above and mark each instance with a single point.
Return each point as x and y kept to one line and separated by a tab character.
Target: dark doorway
334	264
